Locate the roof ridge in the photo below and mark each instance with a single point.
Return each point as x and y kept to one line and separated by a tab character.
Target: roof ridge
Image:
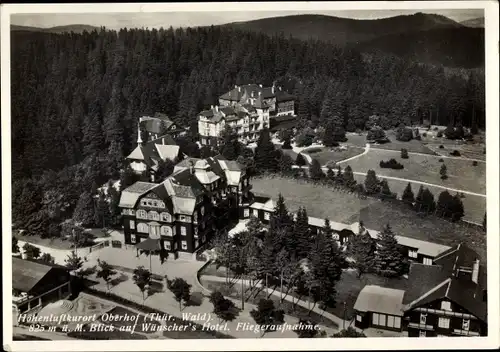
435	288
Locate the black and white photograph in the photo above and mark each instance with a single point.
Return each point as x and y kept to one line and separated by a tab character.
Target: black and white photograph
225	171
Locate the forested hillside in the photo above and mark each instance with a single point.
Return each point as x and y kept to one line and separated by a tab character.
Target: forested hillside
76	98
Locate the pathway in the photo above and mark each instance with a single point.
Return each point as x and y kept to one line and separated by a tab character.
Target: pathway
367	149
165	302
340	322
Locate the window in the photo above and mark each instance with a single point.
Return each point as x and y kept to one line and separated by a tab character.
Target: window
153	215
445	305
444	323
166	245
142	228
165	217
183	230
390	321
375	318
255	213
141	214
195	217
246	213
412	253
397	322
381	320
202	210
335	236
266	216
427	261
182	218
423	318
422	333
132	238
166	231
184	245
358	318
175	246
161	204
132	224
196	244
465	324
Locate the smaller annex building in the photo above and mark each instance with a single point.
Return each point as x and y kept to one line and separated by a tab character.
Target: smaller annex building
379	307
35	284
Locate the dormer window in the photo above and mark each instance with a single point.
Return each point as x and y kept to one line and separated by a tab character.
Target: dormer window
446	305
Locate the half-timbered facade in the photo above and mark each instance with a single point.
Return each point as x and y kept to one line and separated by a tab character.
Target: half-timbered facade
182	211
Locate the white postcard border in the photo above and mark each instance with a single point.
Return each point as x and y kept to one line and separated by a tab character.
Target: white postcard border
492	157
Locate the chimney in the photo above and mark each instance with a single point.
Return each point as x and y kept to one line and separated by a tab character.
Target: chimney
191	167
211	107
239	89
260	85
252	94
280	87
163	140
475	271
235	86
272	89
217	108
260	93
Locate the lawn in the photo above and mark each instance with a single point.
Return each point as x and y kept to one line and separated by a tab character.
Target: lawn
56	243
406	222
329	156
473	151
320	201
474	206
425	168
412	146
350	285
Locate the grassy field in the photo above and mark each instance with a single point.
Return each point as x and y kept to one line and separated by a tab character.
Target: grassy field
425	168
406	222
412	146
319	201
322	201
329	156
474	206
473	151
56	243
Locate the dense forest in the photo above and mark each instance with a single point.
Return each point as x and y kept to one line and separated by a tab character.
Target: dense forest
76	98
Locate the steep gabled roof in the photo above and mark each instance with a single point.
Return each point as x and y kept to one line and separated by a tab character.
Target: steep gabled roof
445	280
26	274
131	194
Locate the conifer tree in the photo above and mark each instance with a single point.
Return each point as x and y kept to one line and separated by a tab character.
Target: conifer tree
443	173
362	248
372	184
315	172
85	210
300	160
265	155
389	259
408	196
348	177
300	242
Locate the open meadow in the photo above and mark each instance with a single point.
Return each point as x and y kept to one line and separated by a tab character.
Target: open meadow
326	202
462	174
330	156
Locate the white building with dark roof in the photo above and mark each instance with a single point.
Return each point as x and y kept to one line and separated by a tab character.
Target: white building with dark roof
245	119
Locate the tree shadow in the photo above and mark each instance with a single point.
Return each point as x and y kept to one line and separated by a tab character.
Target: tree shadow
155	287
119	279
195	300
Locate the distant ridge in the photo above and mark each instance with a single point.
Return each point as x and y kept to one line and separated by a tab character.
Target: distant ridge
474	22
76	28
343	31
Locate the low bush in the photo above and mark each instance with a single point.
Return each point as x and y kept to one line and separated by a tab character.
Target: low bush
474	163
440	134
441	147
424	134
436	129
391	164
455	153
441	160
404	153
313	150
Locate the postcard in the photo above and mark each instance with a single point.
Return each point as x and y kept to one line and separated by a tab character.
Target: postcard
177	176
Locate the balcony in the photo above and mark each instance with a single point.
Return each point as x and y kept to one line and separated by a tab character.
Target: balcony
465	332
